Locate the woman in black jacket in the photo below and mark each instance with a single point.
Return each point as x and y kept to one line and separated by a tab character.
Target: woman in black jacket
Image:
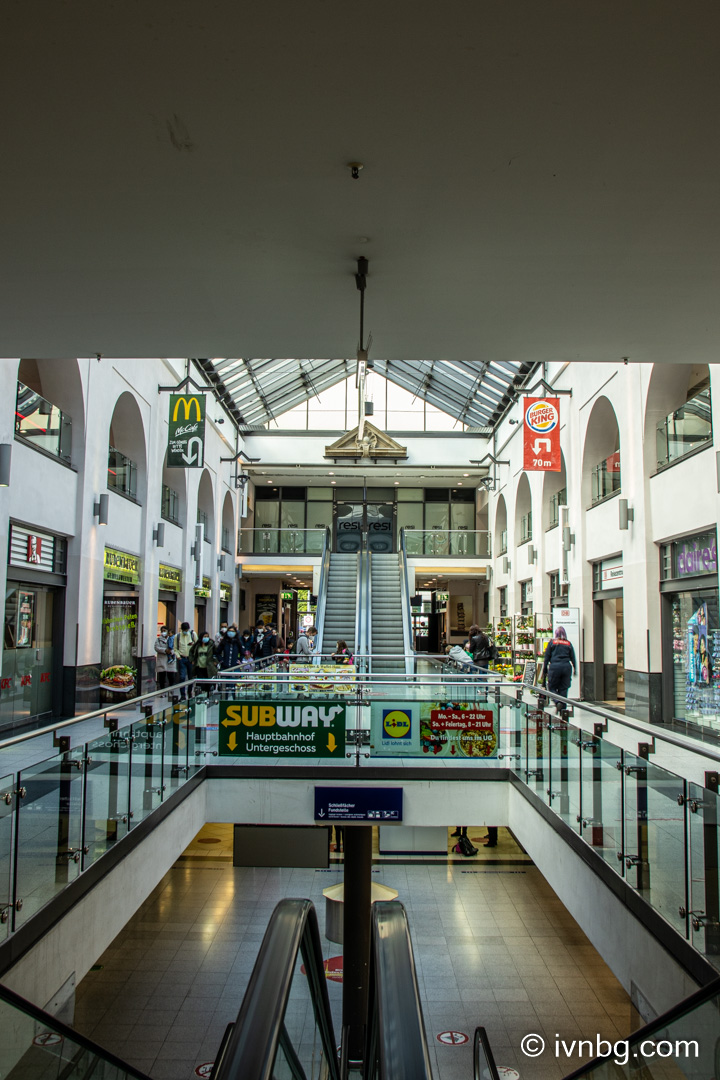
559	663
481	648
229	652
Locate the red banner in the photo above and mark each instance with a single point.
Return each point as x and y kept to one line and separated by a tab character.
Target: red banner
541	422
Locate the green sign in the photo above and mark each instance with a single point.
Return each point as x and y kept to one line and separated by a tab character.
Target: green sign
121	566
169	578
205	589
282	728
186	431
286	597
225	592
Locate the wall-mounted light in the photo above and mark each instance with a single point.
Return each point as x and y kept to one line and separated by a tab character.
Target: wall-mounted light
159	534
568	538
221	564
506	565
5	456
625	513
196	549
101	508
532	553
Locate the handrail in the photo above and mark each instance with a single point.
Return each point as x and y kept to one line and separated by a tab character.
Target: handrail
483	1058
368	614
358	603
659	1025
251	1049
69	1034
406	606
396	1032
322	591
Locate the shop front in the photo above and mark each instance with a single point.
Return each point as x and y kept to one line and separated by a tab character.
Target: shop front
120	665
203	592
608	630
32	659
691	631
170	581
226	591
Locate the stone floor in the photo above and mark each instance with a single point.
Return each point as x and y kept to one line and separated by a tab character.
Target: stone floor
493	946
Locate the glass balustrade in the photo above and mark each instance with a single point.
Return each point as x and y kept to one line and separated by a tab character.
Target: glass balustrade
42	424
684	430
62	811
451	542
605	478
271	541
122	474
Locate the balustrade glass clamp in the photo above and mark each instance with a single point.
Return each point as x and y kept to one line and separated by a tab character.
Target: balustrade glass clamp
632	860
682	911
600	729
21	792
76	763
639	770
4	914
681	800
620	856
697	804
72	853
553	794
19	903
62	742
111	723
510	756
358	736
7	798
646	749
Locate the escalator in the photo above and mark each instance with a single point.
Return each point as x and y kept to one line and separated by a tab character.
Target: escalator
341	604
386	614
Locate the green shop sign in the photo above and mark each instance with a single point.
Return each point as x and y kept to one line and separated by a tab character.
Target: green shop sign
225	592
205	589
282	728
121	566
170	578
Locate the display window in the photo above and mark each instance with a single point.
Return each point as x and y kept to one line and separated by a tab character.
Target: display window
696	655
26	684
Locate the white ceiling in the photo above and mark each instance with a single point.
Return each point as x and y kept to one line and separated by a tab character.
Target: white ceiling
541	179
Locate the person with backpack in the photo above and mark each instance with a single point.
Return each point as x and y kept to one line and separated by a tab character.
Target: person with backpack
305	645
341	654
184	642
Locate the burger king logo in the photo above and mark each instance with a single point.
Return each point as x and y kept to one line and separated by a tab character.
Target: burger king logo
542	417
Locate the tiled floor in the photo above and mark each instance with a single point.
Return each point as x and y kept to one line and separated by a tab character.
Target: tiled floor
493	946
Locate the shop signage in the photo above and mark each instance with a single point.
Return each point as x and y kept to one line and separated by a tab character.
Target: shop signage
266	608
611	573
541	425
282	728
121	566
287	597
359	804
32	549
695	555
169	578
433	729
225	592
205	589
186	431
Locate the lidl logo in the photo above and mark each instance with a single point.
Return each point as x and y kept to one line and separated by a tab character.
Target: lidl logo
541	416
397	724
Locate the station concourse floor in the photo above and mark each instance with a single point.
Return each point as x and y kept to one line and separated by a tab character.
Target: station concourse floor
493	946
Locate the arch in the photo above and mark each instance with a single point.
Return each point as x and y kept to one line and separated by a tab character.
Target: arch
174	494
601	472
523	511
59	383
127	463
678	416
227	542
206	506
553	484
500	537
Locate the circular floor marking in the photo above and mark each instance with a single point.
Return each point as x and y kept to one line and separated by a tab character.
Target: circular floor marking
453	1038
204	1070
47	1038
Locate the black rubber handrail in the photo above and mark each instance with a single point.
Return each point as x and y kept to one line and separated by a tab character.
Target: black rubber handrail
658	1026
483	1055
259	1029
69	1034
396	1032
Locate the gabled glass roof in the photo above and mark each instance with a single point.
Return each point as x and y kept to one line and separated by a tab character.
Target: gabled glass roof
474	392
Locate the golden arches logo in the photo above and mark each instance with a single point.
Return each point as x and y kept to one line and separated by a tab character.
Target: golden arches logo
187	404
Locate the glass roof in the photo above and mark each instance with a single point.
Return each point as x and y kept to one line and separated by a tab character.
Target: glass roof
474	392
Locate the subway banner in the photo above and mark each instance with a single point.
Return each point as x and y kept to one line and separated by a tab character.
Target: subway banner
434	729
186	431
282	728
541	423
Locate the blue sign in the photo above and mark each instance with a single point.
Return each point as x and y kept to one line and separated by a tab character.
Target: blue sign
383	804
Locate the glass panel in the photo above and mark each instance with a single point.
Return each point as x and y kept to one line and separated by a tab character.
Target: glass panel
170	506
27	667
49	831
696	655
380	527
41	423
301	1045
420	722
6	824
601	798
292	525
267	518
605	477
122	473
410	494
462	522
655	837
349	527
146	761
685	429
319	516
316	493
107	793
437	522
564	787
704	903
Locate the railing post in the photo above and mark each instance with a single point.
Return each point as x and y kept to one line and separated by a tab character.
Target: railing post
356	935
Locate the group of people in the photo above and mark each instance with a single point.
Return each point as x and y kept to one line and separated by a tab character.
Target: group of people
559	660
474	654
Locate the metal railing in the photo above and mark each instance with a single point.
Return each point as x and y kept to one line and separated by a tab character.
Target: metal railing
322	589
407	625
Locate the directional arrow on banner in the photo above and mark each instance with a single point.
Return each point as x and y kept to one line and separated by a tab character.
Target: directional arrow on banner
331	744
232	741
321	813
232	723
193	455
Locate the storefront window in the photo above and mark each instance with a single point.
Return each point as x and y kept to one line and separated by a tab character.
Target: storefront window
27	665
696	655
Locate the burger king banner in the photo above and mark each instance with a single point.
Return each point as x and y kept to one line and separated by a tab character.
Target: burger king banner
541	421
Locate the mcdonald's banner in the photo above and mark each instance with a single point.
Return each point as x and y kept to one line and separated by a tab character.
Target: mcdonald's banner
541	424
186	431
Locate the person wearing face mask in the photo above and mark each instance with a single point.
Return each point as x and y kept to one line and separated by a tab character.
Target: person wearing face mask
202	656
247	642
164	659
220	636
229	651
